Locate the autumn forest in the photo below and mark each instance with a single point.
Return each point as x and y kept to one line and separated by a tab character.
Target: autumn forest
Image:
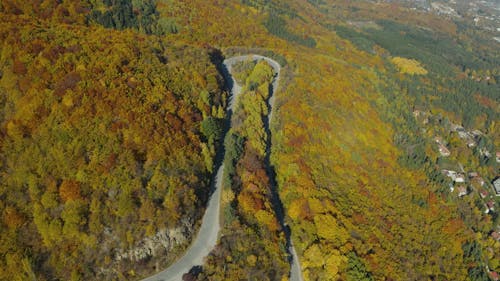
380	161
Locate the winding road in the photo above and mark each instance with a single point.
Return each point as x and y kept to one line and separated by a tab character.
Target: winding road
208	234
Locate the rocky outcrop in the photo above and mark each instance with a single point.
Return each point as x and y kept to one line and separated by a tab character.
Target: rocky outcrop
163	241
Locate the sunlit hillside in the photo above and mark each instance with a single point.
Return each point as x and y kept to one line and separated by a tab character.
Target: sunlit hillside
379	162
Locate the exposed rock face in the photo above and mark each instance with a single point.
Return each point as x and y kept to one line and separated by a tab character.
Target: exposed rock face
163	241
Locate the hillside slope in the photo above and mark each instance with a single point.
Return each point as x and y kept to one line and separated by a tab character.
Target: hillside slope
111	113
104	165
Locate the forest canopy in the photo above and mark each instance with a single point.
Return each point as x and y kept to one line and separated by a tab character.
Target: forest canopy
102	145
112	113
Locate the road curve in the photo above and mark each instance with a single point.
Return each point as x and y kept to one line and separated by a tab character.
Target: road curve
207	236
295	270
205	240
236	89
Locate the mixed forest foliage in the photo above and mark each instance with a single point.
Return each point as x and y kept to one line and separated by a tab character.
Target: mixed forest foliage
105	140
444	58
277	26
109	135
353	210
122	14
253	244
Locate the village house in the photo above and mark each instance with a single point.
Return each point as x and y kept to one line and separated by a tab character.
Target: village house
456	177
476	133
496	185
462	134
455	128
449	173
421	116
494	276
483	193
460	178
471	143
486	209
441	147
443	150
479	180
473	175
484	152
490	205
462	190
495	235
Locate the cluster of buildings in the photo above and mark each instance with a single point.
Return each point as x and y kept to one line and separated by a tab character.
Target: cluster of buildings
473	179
463	185
443	9
469	183
470	138
443	150
459	178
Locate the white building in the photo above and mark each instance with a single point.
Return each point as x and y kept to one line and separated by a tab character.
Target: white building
496	185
